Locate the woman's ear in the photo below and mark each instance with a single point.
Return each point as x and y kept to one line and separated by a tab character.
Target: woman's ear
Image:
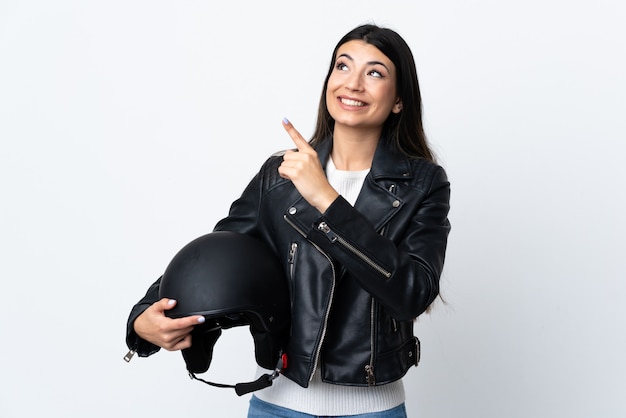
397	107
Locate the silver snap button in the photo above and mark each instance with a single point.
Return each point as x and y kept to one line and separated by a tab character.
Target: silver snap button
292	210
396	203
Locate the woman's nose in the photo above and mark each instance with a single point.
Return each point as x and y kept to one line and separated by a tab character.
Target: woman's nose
354	82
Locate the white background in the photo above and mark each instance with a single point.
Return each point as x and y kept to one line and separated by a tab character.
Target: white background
128	127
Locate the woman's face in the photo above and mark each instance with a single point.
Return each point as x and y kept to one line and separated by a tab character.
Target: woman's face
361	89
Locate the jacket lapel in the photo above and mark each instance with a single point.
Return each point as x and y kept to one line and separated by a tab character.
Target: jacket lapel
378	200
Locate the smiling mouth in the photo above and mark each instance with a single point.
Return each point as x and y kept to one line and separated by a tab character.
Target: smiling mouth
350	102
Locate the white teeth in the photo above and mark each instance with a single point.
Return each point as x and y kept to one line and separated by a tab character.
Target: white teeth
351	102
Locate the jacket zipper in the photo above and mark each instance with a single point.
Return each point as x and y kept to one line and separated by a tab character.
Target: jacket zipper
370	378
369	373
291	260
333	237
369	368
318	349
129	356
292	257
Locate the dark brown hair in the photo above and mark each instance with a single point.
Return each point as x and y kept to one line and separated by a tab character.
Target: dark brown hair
402	131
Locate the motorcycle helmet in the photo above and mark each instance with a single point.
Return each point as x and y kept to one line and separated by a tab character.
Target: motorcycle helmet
232	279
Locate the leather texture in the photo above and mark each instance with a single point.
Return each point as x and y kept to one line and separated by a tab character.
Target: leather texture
359	275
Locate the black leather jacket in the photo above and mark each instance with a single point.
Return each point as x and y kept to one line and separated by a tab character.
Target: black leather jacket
358	275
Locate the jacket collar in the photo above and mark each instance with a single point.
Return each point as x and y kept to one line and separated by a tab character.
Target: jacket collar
378	201
386	164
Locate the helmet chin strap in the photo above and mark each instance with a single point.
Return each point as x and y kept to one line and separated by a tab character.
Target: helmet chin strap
262	382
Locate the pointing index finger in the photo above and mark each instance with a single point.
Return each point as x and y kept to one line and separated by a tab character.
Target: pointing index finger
300	142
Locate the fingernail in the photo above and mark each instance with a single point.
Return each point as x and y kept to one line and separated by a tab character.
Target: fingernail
171	302
201	320
285	121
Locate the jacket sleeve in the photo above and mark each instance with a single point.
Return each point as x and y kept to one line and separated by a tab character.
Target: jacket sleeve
402	274
245	212
134	341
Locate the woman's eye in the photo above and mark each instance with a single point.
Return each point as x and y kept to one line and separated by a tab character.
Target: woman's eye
341	66
376	73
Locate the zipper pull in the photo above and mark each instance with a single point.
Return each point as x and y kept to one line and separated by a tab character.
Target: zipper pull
323	226
129	356
369	375
292	253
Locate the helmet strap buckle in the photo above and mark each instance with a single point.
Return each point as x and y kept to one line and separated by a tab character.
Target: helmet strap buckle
262	382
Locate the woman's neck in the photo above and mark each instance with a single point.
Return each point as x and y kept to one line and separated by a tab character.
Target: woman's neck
353	150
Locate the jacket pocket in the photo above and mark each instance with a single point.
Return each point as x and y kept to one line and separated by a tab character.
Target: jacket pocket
291	263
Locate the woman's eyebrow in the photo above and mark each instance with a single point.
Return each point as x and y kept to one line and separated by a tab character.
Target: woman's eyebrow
344	55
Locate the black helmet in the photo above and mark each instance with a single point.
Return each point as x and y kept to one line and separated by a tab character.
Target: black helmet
232	279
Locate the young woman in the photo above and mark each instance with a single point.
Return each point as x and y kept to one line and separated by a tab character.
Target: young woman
358	217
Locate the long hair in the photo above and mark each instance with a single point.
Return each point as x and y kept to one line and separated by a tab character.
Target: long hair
403	131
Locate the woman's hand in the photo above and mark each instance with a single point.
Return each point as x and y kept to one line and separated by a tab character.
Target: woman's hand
171	334
303	168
